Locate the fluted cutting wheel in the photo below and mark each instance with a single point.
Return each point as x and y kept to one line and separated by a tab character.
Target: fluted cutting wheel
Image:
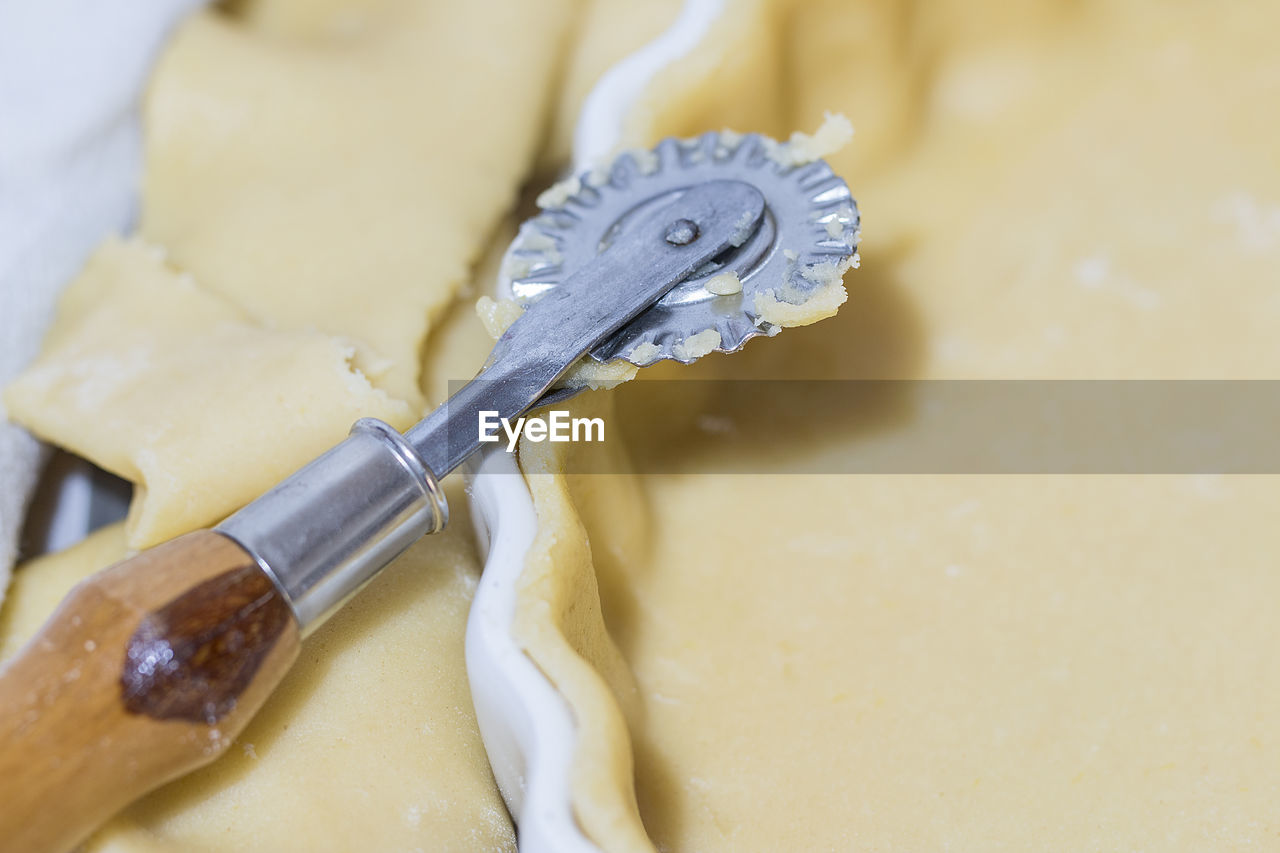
810	219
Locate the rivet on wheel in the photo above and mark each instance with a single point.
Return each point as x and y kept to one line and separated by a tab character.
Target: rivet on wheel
682	232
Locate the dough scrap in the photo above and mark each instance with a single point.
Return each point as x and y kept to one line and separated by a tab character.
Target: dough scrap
832	135
174	389
725	284
698	345
808	307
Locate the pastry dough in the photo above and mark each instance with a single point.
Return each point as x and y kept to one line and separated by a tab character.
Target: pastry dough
353	154
756	660
174	389
958	662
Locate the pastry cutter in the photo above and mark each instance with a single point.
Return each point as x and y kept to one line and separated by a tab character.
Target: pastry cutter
151	668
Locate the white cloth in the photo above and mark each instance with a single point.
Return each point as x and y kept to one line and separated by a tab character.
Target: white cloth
71	75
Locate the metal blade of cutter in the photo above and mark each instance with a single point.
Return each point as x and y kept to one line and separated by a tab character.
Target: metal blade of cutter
810	224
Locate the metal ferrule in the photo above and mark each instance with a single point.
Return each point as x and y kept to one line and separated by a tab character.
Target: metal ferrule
323	533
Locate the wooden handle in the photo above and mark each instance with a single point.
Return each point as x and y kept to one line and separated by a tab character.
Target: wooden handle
145	672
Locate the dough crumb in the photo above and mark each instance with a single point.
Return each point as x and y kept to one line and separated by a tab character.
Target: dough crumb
646	159
725	284
819	305
559	193
742	229
589	373
828	271
497	315
792	306
598	175
515	267
698	345
728	142
644	351
536	241
802	148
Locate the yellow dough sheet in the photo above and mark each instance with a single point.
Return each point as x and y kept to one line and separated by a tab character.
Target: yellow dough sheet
943	662
756	660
